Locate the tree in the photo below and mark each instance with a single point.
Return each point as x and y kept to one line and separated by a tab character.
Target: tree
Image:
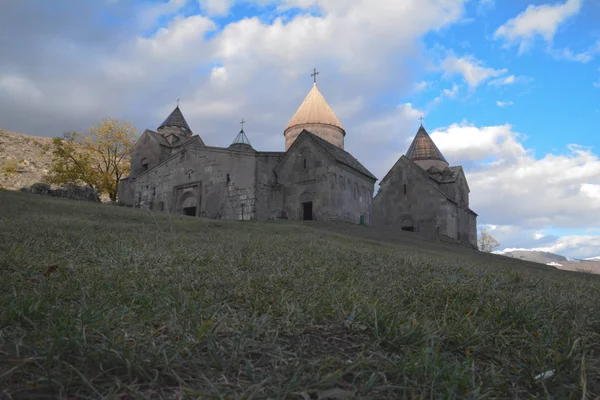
487	242
98	160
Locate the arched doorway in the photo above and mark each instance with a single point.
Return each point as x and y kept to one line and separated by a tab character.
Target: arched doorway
407	224
188	204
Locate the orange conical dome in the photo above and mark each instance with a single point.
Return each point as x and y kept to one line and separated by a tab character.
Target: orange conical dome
316	116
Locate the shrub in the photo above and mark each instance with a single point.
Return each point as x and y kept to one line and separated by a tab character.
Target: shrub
10	167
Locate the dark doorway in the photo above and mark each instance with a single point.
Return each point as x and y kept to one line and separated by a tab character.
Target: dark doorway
407	224
191	211
307	211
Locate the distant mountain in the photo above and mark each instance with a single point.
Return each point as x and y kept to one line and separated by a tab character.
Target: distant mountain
587	265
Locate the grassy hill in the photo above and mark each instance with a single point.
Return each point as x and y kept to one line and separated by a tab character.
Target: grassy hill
100	301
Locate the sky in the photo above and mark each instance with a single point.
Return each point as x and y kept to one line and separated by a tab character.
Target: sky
508	89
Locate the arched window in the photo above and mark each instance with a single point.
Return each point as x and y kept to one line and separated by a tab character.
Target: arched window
405	188
144	164
305	164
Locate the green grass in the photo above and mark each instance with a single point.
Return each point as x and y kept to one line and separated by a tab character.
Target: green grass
141	306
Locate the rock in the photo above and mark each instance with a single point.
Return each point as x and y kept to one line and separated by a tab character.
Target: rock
74	192
68	191
39	188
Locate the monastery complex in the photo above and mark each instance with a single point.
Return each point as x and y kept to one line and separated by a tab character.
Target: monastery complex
313	179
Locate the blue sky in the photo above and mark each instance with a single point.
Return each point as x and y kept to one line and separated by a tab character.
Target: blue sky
508	89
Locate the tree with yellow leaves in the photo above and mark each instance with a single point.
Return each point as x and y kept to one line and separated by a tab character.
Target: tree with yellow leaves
98	160
487	242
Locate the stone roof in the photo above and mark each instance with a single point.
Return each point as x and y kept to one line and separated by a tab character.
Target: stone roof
341	155
160	138
448	175
241	142
176	119
423	148
314	110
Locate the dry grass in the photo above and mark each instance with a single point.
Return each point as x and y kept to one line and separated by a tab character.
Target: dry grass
219	309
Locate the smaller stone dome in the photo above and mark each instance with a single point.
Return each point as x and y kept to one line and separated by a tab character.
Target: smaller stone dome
241	142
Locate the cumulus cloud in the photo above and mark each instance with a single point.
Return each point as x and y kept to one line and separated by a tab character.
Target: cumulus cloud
542	20
157	52
471	69
558	191
215	7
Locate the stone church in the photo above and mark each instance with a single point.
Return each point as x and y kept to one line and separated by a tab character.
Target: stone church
172	169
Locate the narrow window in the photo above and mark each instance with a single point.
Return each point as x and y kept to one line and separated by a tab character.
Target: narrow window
305	164
228	178
405	188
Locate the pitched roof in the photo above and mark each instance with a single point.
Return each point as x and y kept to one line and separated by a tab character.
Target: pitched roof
340	155
158	137
314	110
176	119
423	148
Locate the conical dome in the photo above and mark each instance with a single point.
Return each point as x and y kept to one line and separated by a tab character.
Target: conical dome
424	152
241	142
316	116
176	120
315	110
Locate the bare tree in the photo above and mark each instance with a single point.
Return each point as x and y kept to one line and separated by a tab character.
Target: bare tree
486	242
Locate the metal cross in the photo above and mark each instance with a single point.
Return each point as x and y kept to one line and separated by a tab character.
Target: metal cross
242	122
421	120
314	75
177	102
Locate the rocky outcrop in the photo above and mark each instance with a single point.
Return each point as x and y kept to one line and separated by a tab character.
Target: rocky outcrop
24	159
72	192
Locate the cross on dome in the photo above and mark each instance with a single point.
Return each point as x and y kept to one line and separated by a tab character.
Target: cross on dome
314	75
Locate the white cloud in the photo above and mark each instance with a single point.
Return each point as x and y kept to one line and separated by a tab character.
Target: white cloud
509	80
215	7
538	236
542	20
447	93
20	87
556	190
420	86
504	103
471	69
583	57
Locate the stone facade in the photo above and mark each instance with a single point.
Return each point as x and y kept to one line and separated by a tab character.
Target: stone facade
432	201
314	179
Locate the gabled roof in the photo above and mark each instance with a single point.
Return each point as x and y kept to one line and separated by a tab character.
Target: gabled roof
314	110
423	148
338	154
159	138
176	119
448	175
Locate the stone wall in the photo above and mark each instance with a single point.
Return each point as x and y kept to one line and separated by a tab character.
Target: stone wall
148	151
407	197
269	193
310	175
220	183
